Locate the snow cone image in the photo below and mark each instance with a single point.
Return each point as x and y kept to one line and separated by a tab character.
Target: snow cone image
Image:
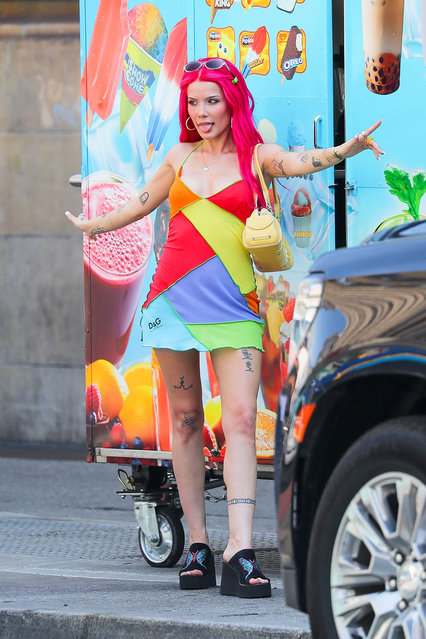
296	136
301	214
144	55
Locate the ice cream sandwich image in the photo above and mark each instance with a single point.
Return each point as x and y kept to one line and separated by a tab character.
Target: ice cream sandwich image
292	53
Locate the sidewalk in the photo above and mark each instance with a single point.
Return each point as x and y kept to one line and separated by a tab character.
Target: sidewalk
70	565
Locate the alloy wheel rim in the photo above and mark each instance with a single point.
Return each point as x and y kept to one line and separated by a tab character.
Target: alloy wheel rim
378	566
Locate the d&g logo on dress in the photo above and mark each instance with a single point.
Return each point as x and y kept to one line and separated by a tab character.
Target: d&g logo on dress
155	324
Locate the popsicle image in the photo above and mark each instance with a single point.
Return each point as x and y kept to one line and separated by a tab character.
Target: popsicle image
166	96
144	55
108	44
256	48
301	215
221	43
382	37
296	136
292	53
286	5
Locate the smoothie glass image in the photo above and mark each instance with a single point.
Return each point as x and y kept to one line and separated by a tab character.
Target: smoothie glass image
114	268
382	35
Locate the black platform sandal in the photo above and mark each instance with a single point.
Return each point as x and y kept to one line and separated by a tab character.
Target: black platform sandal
237	572
200	557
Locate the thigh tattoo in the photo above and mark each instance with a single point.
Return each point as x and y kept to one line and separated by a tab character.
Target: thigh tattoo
247	358
182	384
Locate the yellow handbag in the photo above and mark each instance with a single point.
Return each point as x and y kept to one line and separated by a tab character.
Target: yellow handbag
262	235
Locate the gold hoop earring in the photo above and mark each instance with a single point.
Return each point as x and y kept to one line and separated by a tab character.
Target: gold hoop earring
186	124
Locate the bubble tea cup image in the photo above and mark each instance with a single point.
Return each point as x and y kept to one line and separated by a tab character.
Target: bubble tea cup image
382	22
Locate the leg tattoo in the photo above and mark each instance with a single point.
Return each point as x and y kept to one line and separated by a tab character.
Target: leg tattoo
189	421
247	357
182	384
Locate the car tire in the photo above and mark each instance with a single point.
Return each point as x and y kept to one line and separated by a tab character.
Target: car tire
356	524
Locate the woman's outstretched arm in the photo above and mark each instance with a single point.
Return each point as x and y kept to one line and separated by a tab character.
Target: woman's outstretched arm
150	197
277	162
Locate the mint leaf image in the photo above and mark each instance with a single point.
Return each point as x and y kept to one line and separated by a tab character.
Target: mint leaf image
400	185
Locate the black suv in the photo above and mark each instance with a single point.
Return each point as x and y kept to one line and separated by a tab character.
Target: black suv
350	453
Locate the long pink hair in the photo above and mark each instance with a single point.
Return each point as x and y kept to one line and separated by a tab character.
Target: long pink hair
240	104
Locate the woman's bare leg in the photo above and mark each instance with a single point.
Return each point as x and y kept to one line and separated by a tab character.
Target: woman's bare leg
238	374
181	373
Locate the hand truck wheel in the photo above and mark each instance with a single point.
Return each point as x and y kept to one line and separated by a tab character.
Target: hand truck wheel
169	548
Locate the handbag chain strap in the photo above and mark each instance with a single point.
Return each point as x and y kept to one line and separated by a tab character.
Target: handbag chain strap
277	207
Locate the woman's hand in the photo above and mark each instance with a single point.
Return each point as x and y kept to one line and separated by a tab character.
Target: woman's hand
84	225
363	141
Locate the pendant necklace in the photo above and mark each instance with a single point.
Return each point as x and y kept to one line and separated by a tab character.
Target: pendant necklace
207	166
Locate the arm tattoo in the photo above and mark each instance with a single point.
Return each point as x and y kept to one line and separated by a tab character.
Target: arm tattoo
189	421
144	197
97	231
279	167
304	158
316	162
336	155
247	357
231	502
182	384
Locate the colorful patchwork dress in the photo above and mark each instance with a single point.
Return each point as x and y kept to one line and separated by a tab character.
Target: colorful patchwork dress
203	293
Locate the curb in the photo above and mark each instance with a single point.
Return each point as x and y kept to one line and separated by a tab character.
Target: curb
37	625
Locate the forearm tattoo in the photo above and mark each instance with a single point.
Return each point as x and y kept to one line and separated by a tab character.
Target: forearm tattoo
304	158
189	421
247	357
101	229
316	162
245	500
182	384
336	155
97	231
143	198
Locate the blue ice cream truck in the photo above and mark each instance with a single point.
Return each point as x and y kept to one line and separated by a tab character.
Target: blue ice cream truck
320	71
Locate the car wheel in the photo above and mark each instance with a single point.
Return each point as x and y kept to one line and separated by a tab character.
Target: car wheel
366	572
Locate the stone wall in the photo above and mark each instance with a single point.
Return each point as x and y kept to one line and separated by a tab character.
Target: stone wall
41	267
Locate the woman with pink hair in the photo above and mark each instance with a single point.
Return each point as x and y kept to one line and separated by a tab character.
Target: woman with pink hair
203	298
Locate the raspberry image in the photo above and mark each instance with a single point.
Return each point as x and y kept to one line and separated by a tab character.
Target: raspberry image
93	402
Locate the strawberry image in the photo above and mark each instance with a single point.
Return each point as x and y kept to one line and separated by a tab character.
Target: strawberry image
288	310
93	402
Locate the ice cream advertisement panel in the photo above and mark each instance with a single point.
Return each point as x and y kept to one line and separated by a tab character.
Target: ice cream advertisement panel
132	61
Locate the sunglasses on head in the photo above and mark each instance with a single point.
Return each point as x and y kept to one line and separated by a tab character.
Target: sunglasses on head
213	65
